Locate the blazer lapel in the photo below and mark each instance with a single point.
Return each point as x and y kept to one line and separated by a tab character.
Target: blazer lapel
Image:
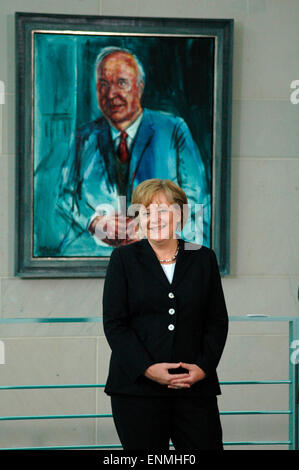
142	141
105	145
148	257
182	263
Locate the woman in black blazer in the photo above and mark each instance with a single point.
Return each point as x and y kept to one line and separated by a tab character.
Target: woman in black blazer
165	319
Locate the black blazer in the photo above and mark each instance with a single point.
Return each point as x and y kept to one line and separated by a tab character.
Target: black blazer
139	304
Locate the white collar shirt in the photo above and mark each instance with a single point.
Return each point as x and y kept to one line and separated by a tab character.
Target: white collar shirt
131	131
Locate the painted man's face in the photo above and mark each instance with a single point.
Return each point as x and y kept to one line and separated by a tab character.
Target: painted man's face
118	92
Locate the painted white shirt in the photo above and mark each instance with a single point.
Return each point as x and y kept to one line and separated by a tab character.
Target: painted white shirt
131	131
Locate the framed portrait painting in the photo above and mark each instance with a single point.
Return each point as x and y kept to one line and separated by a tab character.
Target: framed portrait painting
104	103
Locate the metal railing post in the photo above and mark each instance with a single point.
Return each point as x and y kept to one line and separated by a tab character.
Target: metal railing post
294	385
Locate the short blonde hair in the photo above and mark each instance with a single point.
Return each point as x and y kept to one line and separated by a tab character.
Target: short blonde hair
145	191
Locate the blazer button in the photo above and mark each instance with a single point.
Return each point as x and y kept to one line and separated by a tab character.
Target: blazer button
171	295
171	327
171	311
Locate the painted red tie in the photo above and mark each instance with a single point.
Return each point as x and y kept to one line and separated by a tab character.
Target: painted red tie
122	151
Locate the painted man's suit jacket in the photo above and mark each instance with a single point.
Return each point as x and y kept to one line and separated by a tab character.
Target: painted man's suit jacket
139	304
162	148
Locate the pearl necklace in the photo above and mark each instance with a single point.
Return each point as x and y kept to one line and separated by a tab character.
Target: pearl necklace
170	259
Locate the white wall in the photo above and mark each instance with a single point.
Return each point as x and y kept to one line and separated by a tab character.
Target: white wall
264	240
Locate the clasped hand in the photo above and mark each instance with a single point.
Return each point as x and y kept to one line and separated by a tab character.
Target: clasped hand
114	229
159	373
